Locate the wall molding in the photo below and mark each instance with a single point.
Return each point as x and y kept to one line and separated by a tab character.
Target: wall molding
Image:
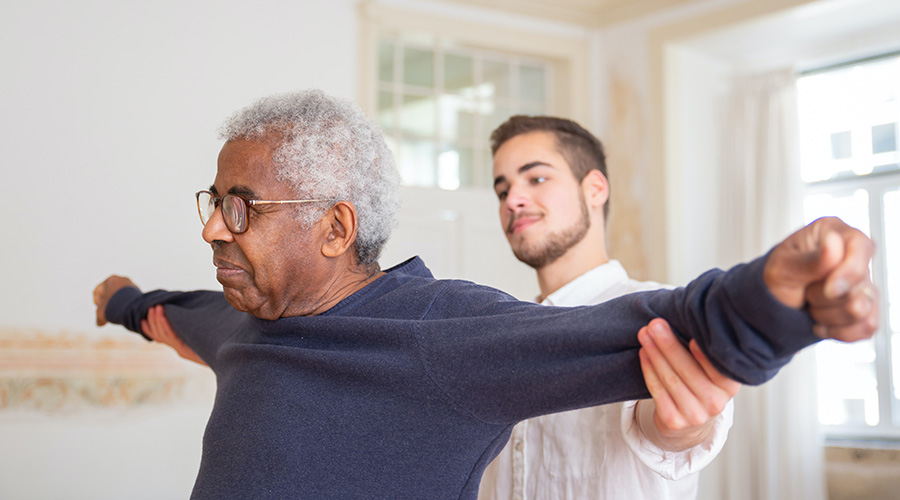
67	371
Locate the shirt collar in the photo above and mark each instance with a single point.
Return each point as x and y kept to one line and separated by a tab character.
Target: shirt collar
590	284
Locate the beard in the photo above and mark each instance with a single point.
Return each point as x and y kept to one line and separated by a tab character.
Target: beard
556	243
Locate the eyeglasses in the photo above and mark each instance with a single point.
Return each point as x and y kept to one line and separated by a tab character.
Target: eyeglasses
234	208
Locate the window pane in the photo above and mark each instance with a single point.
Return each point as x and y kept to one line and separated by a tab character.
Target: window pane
488	159
496	76
532	83
848	120
853	208
840	146
448	169
458	73
456	167
418	67
417	163
895	357
418	115
385	61
531	108
457	117
499	114
386	110
892	247
884	138
848	387
466	166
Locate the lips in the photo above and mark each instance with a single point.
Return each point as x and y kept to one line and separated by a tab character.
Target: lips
226	270
520	222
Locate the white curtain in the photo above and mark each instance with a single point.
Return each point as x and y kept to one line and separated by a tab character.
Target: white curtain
775	450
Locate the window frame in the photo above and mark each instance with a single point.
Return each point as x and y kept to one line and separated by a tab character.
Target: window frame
475	140
566	48
876	184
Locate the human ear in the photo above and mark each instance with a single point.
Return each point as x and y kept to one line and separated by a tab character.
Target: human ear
341	233
596	188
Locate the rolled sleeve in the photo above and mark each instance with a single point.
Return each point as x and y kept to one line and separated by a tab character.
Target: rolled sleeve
674	465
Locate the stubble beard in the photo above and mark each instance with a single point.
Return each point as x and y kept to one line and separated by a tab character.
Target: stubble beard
555	244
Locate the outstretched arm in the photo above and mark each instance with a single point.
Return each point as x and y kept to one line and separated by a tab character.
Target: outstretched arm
155	326
201	318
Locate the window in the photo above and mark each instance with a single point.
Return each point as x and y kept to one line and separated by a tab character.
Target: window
438	104
439	79
850	164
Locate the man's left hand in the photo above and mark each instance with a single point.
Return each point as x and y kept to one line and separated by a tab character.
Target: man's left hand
688	392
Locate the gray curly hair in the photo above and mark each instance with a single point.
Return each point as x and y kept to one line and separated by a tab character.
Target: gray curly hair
327	148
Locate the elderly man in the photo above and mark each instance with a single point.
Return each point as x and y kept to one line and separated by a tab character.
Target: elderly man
339	380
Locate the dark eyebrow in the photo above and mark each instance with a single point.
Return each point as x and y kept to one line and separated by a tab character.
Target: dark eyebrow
524	168
242	191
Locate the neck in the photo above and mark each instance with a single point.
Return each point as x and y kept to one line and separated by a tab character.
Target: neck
342	285
587	254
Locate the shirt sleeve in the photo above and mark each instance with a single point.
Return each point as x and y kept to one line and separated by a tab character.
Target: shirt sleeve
675	465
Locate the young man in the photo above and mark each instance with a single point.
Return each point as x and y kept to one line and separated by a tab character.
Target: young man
550	179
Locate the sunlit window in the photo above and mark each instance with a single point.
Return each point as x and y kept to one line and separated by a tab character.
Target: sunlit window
851	166
438	104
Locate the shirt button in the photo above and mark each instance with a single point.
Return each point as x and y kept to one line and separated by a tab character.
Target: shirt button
518	448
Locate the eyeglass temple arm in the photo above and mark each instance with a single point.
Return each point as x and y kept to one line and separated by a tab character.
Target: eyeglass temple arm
280	202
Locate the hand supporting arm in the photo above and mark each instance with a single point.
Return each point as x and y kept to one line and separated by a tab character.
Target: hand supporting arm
688	392
157	327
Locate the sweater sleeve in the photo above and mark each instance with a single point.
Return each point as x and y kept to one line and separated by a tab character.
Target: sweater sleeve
511	360
202	319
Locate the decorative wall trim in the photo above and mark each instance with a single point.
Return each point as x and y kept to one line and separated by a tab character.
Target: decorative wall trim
65	371
593	13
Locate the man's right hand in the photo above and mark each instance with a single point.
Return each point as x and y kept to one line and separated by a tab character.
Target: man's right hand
104	291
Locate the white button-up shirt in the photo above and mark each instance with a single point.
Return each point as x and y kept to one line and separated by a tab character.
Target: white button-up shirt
598	452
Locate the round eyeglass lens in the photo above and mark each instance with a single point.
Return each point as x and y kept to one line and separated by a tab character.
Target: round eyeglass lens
235	211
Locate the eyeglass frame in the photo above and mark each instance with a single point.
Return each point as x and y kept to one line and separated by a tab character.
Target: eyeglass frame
218	200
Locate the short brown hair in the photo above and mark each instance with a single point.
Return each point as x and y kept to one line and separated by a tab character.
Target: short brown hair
580	148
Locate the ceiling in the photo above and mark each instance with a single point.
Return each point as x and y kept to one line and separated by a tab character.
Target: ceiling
810	36
590	13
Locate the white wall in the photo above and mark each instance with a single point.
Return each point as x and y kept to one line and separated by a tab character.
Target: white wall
108	127
108	117
629	117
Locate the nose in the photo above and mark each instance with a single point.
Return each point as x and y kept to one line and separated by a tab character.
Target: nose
215	228
515	199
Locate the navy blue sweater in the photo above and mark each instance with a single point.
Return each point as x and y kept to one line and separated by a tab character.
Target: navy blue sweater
408	388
